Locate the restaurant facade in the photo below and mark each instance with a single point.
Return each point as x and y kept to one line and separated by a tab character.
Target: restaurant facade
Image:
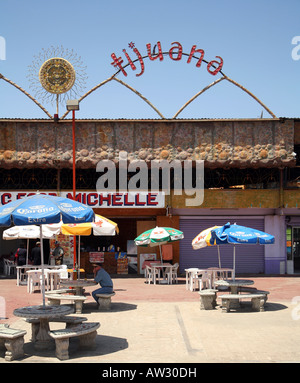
210	172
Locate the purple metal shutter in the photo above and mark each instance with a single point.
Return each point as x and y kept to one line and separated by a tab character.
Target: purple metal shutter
249	258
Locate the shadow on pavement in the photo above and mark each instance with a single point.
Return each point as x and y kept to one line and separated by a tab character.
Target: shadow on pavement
105	345
91	307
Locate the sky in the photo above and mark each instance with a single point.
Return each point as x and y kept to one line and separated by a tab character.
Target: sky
257	41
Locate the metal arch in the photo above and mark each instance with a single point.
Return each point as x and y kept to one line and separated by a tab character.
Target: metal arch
250	94
113	77
140	95
27	94
196	95
89	92
233	82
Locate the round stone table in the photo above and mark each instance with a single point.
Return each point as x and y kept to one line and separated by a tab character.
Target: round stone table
78	284
44	314
234	285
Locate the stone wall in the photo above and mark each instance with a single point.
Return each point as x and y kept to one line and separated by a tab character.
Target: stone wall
221	143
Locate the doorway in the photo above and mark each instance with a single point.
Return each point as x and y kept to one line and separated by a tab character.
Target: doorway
296	249
293	249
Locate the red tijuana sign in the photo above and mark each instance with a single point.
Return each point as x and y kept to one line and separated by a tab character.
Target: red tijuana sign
175	53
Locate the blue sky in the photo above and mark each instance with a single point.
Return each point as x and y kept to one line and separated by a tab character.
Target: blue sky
254	39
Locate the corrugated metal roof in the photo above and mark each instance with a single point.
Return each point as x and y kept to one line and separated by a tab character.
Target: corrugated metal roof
152	119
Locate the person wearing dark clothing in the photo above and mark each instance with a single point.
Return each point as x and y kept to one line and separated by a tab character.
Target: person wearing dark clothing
20	255
103	278
58	254
36	254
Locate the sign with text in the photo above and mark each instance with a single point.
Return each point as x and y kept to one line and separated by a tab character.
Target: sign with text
98	200
96	257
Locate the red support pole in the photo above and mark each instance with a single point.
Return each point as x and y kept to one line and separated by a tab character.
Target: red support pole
74	182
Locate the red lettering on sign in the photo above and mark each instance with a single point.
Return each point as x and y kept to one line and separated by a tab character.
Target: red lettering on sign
116	198
220	65
193	50
5	198
179	52
138	202
159	54
151	199
105	199
92	199
126	202
175	54
20	195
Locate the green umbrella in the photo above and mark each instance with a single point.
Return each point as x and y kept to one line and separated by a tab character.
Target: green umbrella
158	236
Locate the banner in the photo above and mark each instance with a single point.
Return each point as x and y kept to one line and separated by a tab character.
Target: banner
98	200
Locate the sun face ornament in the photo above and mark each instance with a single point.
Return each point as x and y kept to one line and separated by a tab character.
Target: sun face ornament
57	75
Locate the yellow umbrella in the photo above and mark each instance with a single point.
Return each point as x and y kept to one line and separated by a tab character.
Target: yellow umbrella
101	226
203	240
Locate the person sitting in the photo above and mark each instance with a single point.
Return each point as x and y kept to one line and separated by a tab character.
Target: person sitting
103	278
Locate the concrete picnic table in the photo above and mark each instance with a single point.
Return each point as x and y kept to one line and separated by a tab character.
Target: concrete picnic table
43	313
78	284
234	285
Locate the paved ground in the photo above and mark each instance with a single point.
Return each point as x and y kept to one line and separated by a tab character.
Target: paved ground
164	323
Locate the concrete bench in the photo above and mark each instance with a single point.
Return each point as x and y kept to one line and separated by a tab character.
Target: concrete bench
104	301
208	299
86	332
70	321
13	341
253	290
61	291
258	301
54	299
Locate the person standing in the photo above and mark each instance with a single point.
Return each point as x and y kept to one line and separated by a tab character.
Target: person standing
58	254
36	254
20	255
103	278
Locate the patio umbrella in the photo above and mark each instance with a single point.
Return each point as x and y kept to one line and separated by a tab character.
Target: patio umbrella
44	209
158	236
31	232
236	234
102	226
203	240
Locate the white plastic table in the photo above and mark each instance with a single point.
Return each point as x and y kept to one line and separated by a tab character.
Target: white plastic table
31	267
163	267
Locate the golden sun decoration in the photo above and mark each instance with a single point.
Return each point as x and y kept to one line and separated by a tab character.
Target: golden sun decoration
57	75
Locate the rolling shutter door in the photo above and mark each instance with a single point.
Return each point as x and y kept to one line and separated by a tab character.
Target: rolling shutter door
249	258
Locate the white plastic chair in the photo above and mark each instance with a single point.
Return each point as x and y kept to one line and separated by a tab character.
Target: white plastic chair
190	277
151	273
172	274
8	266
34	279
204	279
63	275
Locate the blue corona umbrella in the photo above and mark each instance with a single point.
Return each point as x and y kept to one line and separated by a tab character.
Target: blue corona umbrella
236	234
42	209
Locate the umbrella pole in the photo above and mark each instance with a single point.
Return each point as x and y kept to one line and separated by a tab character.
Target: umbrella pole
161	260
78	257
234	262
27	251
42	264
219	256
